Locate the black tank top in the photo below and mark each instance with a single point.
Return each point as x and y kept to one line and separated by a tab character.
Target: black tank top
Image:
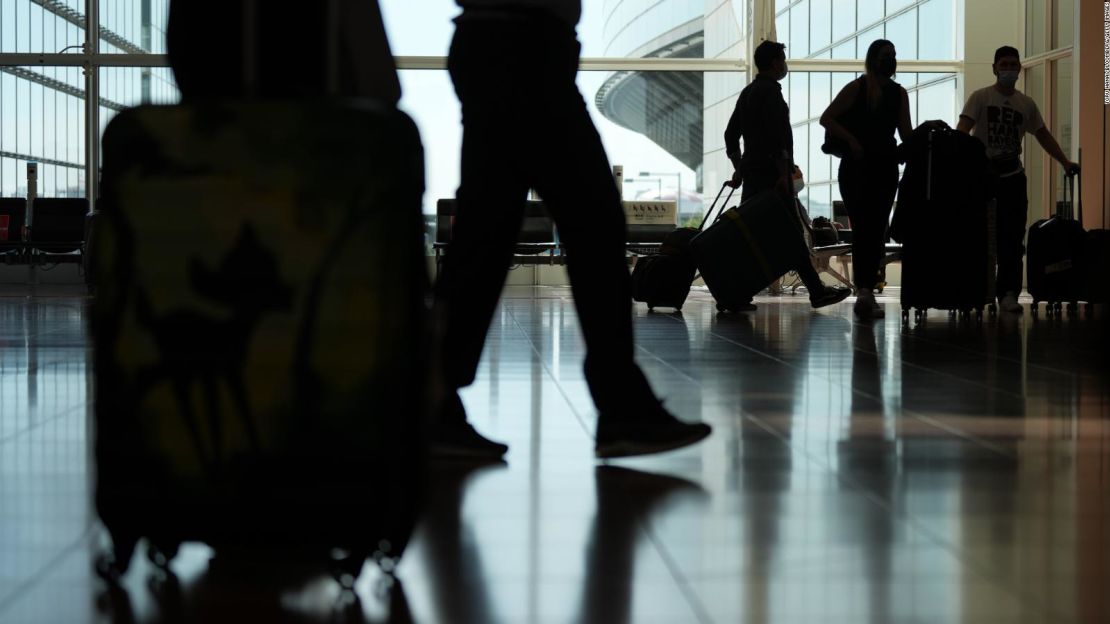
874	127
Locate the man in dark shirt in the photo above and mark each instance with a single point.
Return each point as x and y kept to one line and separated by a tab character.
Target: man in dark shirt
762	118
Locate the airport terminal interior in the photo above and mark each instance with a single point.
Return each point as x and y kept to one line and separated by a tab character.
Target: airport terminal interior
912	468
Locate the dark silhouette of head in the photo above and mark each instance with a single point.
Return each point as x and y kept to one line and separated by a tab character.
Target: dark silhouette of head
768	54
877	53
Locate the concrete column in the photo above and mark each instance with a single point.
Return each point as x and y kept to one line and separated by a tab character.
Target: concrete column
1092	121
988	25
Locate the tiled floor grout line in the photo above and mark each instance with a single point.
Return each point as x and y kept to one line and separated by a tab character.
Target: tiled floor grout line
21	589
680	579
66	412
887	506
539	357
855	485
692	599
910	333
922	417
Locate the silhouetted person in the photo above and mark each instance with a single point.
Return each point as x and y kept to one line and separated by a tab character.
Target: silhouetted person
236	48
762	118
999	116
513	64
865	114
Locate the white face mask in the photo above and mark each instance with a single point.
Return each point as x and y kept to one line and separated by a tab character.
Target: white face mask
799	184
1008	78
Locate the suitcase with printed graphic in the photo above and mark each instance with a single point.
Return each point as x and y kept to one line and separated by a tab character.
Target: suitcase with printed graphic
259	332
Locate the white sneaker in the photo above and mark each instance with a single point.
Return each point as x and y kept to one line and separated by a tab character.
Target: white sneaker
1009	303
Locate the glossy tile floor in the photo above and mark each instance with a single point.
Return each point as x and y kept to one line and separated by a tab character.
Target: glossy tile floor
945	473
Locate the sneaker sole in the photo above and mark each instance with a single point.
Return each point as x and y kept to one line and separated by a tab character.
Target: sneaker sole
633	449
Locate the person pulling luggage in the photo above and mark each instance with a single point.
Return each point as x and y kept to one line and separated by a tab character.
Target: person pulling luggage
999	115
762	118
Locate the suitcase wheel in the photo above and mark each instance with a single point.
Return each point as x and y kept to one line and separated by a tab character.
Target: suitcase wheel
346	570
108	568
110	565
905	316
161	554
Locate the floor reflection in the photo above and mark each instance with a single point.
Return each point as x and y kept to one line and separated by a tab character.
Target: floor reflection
627	500
948	472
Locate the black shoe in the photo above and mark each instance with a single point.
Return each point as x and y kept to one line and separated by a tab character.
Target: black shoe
829	296
747	306
624	436
453	437
462	441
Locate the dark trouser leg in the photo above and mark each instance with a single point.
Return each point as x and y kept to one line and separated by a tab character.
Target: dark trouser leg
491	202
526	123
1012	211
868	190
575	181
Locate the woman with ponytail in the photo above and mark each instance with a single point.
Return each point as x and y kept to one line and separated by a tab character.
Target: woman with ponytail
865	115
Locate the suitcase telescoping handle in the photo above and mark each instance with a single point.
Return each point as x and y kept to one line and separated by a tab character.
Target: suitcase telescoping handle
705	219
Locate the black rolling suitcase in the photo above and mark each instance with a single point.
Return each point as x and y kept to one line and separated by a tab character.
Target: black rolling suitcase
748	247
258	332
947	172
1055	257
664	279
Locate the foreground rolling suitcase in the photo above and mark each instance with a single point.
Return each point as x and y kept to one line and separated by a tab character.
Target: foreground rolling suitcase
664	279
257	327
747	248
947	172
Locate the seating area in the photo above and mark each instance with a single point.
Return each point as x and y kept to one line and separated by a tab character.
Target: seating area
43	230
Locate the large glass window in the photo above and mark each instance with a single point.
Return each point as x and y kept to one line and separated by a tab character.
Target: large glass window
1036	27
42	109
1064	21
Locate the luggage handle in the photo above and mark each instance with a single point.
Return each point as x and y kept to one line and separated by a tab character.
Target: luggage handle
705	219
1069	208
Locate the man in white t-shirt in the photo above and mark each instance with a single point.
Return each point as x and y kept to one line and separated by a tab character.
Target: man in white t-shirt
999	116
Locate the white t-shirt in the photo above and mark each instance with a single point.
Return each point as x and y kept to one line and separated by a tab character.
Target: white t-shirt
570	11
1001	121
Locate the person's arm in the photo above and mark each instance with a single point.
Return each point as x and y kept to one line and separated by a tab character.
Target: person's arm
840	105
776	114
969	114
905	126
1048	142
732	144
